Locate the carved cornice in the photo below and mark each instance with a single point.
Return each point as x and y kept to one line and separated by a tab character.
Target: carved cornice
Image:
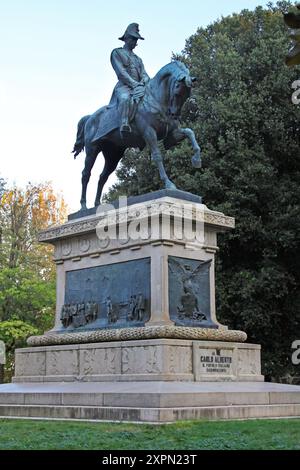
152	210
67	230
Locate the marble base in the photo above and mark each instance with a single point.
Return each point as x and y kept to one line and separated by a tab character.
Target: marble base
143	360
150	402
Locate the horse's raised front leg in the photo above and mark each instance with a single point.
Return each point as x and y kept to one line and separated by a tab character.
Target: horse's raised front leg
196	160
151	139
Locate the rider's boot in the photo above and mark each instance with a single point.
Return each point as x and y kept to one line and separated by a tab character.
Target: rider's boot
125	127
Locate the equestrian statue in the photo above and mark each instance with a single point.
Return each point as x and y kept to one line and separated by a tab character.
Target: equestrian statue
142	111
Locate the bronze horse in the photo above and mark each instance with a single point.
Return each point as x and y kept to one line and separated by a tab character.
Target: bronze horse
156	119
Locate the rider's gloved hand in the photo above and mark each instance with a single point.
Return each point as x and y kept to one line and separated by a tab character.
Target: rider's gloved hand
138	91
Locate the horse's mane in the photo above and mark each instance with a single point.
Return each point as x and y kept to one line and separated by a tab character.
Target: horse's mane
173	68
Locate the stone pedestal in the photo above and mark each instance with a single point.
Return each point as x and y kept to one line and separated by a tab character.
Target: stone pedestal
140	270
147	264
140	361
136	335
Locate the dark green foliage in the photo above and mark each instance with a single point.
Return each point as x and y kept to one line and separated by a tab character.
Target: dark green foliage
292	20
14	334
27	297
248	129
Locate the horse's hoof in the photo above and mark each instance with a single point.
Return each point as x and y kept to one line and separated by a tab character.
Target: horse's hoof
170	185
97	203
83	206
196	162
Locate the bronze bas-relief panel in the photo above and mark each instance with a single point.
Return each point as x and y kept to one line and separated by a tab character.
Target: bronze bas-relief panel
189	292
115	296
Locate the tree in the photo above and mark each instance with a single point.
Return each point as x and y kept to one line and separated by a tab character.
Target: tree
23	213
27	274
14	334
24	295
248	128
292	20
2	186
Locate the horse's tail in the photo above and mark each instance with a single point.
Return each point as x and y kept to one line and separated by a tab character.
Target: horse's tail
79	144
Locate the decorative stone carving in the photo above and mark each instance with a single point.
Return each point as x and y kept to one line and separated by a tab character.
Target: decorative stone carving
99	361
112	360
179	360
103	242
149	362
62	362
166	359
67	230
148	210
153	364
84	245
172	360
66	248
31	364
126	334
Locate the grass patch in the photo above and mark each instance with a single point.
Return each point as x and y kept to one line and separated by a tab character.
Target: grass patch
207	435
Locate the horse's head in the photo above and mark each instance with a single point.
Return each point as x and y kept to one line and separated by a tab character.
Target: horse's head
177	86
180	88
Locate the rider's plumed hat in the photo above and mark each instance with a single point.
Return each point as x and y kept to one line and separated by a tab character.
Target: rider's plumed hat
132	30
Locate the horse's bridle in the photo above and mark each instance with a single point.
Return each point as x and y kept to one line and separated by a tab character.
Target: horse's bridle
180	80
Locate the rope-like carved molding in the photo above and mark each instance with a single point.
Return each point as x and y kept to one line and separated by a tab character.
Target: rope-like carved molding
127	334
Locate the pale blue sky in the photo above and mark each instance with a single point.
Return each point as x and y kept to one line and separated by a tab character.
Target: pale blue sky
55	68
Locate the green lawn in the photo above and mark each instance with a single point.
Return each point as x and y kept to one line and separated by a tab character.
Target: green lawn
260	434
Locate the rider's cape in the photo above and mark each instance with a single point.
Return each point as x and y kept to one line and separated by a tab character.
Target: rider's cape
107	119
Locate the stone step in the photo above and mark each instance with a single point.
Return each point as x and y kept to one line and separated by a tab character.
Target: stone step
149	402
150	415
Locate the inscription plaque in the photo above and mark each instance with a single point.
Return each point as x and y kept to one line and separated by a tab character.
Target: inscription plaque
211	363
215	364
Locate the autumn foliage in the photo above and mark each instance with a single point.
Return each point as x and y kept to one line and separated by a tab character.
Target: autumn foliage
27	273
